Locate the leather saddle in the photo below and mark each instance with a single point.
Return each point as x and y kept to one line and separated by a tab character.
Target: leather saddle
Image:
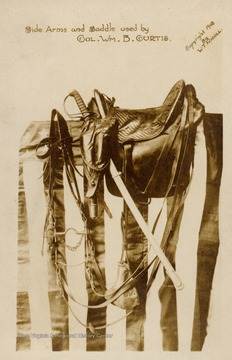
154	146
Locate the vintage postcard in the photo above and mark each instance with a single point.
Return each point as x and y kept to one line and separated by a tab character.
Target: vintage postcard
116	180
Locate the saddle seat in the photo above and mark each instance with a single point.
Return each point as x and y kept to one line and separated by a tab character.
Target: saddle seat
144	124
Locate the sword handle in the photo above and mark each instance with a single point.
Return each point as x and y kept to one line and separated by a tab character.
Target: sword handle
79	101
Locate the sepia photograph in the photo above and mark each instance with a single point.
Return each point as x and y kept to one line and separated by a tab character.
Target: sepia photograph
116	180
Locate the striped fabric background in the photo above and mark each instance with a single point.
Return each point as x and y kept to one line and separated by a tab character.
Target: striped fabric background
43	319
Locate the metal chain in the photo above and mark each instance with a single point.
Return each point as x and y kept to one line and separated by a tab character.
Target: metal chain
70	247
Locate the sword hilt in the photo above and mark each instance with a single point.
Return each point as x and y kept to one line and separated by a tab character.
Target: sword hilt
80	102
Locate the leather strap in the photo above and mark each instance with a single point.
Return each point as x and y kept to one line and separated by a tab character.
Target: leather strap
167	293
185	134
125	286
162	157
55	222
